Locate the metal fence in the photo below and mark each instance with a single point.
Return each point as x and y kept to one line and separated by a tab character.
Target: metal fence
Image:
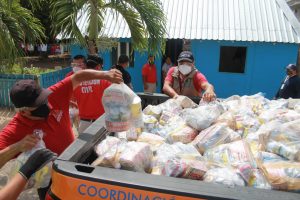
45	80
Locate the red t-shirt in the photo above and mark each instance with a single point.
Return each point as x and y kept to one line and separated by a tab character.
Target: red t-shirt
149	72
198	79
89	98
69	73
58	134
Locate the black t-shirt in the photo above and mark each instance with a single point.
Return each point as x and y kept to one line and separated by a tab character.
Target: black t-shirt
289	89
126	76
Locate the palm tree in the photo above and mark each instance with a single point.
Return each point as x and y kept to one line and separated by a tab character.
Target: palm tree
17	25
145	19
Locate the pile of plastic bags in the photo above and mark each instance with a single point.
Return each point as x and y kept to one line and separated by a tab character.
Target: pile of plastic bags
239	141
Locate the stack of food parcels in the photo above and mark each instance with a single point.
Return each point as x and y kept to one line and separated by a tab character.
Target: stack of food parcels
238	141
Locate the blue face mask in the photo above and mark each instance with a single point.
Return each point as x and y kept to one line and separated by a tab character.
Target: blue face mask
42	111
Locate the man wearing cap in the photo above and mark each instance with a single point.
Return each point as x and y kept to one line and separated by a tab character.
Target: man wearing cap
290	87
186	80
149	75
88	95
123	63
46	110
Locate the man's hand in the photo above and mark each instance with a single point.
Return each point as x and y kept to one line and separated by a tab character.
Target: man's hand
209	96
36	161
27	143
114	76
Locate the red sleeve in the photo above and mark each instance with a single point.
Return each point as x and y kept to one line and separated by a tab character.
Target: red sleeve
105	84
69	74
169	76
199	79
144	70
62	91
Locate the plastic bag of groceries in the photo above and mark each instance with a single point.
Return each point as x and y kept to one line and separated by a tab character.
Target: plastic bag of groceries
152	139
195	170
172	154
232	154
42	177
246	121
214	136
165	117
225	176
154	111
285	115
202	117
285	141
131	135
151	124
229	119
283	175
176	130
258	138
185	102
109	151
171	105
137	156
122	108
258	180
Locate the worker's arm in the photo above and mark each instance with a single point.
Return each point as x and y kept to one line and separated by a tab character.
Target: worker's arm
13	189
8	153
209	94
168	90
113	75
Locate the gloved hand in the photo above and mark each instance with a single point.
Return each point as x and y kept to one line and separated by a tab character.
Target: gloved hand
36	161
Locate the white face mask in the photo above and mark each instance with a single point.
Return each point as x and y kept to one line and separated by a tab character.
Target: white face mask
185	69
76	69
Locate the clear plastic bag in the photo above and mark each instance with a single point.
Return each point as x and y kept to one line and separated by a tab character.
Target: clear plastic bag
284	140
213	136
122	108
155	141
202	117
225	176
232	154
283	175
109	151
137	156
172	154
40	178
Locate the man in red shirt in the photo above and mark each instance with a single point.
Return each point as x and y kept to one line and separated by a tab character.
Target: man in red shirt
45	110
186	80
88	96
149	75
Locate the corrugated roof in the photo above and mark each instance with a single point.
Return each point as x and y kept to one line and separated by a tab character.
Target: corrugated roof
239	20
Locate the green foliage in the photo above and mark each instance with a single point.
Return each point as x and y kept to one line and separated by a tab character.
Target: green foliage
145	18
17	25
17	69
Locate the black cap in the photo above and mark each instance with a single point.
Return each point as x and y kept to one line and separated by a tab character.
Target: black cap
186	56
292	67
93	61
27	93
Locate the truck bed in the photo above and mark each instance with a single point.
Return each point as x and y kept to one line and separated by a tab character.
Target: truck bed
73	167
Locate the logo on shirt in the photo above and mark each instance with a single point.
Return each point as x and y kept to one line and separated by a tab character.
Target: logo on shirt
57	114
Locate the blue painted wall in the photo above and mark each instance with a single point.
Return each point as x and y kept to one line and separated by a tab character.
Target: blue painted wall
264	68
